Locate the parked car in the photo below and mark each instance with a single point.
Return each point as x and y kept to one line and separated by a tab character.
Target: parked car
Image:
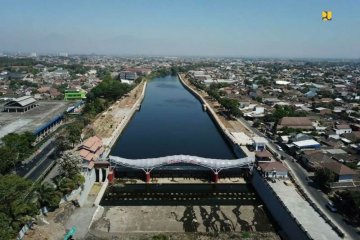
279	148
331	206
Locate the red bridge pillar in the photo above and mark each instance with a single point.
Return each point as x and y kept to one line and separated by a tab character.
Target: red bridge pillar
147	177
111	176
216	177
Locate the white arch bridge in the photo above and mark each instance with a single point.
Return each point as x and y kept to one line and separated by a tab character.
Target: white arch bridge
216	165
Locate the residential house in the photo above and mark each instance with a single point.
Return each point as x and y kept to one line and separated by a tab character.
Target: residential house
323	111
274	170
263	156
90	150
342	128
312	159
342	172
259	143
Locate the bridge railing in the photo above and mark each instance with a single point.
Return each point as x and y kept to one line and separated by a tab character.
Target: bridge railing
215	164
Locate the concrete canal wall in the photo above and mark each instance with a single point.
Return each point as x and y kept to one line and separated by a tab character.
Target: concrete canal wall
289	225
240	151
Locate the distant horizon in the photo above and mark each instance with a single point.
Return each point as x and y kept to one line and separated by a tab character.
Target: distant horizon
206	28
57	54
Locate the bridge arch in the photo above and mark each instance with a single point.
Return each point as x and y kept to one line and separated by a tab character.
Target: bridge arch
216	165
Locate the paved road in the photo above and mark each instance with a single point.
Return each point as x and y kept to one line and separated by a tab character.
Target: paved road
34	167
318	197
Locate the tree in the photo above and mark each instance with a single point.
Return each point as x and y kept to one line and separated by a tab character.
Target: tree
231	105
19	143
16	203
324	177
7	160
349	203
67	184
70	164
16	147
70	177
48	196
258	99
63	143
6	232
74	132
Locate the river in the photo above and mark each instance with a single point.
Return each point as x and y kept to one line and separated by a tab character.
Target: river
171	121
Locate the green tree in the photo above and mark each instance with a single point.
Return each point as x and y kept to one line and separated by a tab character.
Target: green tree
48	196
258	99
16	203
70	164
349	204
6	232
68	184
231	105
74	132
69	177
324	177
16	147
7	159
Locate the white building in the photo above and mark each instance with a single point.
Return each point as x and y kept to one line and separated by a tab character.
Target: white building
342	128
259	143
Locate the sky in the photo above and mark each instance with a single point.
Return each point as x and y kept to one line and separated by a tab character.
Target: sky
236	28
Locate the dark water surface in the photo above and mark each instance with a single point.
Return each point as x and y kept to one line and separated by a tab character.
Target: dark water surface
171	121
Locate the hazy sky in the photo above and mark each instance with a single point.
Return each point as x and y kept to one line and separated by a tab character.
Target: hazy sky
250	28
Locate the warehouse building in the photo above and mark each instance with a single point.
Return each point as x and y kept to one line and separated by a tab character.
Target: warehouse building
21	104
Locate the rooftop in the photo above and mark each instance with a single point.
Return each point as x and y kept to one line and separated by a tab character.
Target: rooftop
306	143
295	121
343	126
338	168
270	166
22	101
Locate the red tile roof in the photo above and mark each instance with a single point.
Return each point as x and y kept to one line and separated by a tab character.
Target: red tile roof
92	144
263	154
91	149
270	166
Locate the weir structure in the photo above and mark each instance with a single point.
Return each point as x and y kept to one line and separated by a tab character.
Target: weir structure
216	165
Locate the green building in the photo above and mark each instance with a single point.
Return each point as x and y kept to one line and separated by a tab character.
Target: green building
75	95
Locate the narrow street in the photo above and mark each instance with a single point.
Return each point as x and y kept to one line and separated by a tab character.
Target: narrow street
34	167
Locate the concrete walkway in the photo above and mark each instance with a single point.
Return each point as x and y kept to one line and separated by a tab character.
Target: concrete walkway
303	212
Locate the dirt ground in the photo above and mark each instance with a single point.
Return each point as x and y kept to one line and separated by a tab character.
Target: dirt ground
184	236
53	225
182	222
57	223
106	122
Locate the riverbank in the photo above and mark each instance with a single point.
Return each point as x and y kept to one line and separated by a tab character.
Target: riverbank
225	126
110	124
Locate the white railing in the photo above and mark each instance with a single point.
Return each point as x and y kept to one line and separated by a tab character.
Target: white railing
214	164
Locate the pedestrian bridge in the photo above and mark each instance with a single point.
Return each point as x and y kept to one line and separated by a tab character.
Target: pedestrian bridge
148	164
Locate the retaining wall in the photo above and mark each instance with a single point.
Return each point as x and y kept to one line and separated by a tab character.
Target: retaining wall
287	222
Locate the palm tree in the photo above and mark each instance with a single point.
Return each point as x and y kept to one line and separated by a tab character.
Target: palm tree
48	196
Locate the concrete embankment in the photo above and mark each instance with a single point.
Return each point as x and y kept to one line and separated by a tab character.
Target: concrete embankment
239	151
126	120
